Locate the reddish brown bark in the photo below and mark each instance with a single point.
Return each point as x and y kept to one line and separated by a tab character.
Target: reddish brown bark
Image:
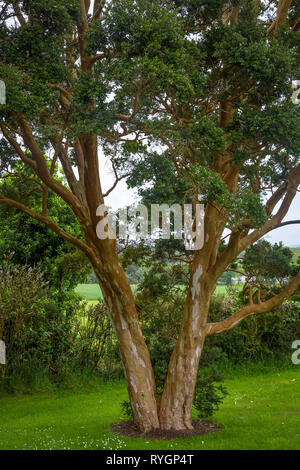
134	352
178	394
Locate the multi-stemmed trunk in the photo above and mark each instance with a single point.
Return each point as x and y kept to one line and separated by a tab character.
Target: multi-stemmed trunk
177	398
178	394
133	350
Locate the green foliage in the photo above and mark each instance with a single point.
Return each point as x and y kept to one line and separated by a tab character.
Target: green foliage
209	393
82	118
208	397
49	334
126	409
26	53
210	185
161	347
22	293
95	343
266	262
247	205
257	338
33	243
159	170
276	126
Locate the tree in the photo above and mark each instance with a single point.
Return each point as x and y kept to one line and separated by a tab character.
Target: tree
207	81
264	262
34	244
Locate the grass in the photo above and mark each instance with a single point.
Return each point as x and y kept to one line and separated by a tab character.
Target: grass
92	292
261	412
89	291
296	253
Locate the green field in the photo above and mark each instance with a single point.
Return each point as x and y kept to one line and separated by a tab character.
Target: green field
89	291
261	412
92	292
296	253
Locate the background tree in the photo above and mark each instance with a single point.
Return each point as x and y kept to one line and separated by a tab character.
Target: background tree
209	83
34	244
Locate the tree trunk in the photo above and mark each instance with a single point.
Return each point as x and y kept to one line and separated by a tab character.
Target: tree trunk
134	352
178	394
177	399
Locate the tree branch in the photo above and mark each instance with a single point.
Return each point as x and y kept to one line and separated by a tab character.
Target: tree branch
289	222
239	241
253	309
281	16
41	169
18	149
47	221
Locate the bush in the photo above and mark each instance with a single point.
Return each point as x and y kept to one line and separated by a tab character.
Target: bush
255	338
209	393
23	294
96	345
126	409
49	334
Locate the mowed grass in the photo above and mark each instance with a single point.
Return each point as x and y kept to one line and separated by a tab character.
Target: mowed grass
261	412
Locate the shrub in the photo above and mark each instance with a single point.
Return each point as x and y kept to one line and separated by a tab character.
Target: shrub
126	409
96	346
257	337
209	393
22	294
38	325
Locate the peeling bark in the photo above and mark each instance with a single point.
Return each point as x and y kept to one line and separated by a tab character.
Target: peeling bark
134	352
178	394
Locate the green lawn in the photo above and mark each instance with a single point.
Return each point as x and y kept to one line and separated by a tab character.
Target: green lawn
220	289
262	412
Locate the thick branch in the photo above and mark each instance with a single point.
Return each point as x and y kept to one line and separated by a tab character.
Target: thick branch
18	149
41	169
239	241
253	309
19	15
77	187
47	221
281	16
289	222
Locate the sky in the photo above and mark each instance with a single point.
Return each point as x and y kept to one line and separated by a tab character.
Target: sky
289	235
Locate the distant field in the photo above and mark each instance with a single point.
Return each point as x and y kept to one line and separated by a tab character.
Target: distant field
296	253
89	291
92	292
220	289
